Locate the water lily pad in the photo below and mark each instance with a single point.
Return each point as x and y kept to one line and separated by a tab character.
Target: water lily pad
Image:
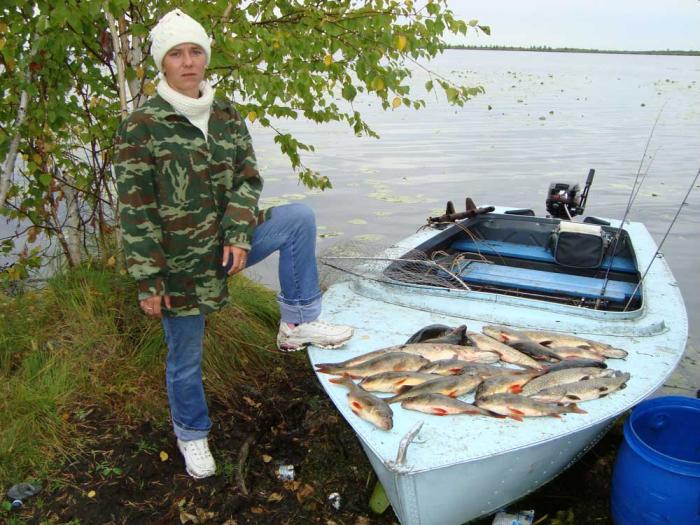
269	202
294	196
369	237
329	234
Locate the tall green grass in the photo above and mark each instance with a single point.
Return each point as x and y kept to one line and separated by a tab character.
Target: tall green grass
81	343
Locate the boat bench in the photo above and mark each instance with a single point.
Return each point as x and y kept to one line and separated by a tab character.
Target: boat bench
531	253
576	286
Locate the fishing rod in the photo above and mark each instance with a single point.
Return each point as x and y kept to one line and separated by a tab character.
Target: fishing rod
678	212
630	201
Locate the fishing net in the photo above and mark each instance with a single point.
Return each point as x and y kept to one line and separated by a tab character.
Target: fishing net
393	265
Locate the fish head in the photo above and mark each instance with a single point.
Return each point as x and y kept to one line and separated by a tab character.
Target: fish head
500	333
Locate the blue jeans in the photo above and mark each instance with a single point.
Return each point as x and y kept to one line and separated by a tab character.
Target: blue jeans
292	230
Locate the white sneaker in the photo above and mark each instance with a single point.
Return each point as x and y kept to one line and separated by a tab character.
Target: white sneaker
199	462
317	333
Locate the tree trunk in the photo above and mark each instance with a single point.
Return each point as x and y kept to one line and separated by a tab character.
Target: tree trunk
70	230
8	167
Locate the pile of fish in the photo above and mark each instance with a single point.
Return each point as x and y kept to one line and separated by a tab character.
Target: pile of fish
545	374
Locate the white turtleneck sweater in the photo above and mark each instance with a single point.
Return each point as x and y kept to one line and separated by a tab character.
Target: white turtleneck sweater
196	110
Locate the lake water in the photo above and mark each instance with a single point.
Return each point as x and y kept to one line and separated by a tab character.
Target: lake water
553	116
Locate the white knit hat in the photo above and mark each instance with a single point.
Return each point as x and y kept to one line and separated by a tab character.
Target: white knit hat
177	28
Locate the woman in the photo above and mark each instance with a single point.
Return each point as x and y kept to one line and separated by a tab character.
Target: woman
188	189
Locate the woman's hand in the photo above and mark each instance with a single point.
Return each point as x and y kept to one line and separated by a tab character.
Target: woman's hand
151	306
239	257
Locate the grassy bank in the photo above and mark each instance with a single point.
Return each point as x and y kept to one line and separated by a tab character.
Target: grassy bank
81	344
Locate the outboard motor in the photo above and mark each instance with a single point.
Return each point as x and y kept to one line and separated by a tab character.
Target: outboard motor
564	201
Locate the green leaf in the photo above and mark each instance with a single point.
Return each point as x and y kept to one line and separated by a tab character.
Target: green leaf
378	502
429	85
349	92
486	29
45	179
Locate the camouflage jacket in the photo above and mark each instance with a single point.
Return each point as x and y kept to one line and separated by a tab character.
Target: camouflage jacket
181	198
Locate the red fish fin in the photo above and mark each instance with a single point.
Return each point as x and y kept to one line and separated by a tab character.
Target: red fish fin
555	415
452	394
505	338
400	381
439	411
456	370
516	417
516	389
516	411
338	380
356	405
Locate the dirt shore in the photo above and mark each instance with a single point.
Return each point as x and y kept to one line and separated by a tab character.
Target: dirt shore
134	474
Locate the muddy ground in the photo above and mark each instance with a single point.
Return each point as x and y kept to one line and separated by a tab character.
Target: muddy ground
135	475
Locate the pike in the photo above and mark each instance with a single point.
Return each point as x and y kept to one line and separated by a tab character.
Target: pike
582	390
452	386
389	362
563	377
366	406
508	354
577	352
442	405
517	407
393	382
512	384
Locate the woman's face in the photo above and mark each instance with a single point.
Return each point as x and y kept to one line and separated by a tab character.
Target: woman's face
184	66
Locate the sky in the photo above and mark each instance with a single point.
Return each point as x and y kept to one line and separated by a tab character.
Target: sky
599	24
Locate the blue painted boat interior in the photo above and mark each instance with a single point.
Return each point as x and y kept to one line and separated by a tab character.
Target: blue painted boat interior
514	255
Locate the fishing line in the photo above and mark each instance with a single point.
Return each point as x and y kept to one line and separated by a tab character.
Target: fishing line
629	202
678	212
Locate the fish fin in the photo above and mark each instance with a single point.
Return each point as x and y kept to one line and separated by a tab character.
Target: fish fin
439	411
403	388
623	385
572	397
455	371
546	343
573	407
400	381
339	380
516	417
452	394
505	338
585	378
603	389
355	411
516	389
555	415
586	347
356	405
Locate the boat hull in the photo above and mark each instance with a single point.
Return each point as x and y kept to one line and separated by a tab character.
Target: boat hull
462	492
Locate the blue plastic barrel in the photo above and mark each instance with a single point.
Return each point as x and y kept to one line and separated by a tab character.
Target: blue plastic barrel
656	480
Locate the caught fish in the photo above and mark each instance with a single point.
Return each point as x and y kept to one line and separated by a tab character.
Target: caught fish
508	354
389	362
446	367
452	386
436	351
576	352
563	377
429	332
366	406
517	407
511	384
442	405
533	349
457	336
554	340
393	382
582	390
574	363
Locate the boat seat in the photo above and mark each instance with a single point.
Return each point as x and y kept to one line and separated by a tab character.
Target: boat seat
485	274
530	253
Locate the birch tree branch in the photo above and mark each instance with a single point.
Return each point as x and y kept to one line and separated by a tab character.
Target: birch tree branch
8	167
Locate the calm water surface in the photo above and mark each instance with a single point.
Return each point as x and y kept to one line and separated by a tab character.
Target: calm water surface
552	117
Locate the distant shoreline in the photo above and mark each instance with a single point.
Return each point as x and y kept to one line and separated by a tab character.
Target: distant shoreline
545	49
